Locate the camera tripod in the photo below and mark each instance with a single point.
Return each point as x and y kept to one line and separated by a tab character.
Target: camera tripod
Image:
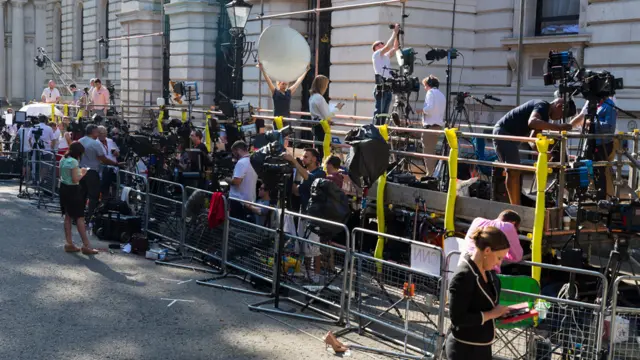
400	117
620	255
459	115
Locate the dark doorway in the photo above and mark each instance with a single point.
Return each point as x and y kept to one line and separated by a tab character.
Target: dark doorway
324	49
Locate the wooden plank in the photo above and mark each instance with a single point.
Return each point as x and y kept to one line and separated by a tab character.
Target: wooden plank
466	208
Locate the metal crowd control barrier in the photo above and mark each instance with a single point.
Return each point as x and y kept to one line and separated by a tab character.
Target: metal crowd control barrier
132	189
325	268
47	180
624	329
205	244
165	213
403	299
565	328
247	248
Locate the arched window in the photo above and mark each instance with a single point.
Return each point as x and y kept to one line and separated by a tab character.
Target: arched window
103	27
57	32
78	21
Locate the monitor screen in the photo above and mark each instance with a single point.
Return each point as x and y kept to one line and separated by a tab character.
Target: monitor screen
20	117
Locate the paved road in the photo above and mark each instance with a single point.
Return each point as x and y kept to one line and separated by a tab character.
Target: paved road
55	305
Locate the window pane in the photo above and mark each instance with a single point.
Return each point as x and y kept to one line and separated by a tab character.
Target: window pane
537	67
554	8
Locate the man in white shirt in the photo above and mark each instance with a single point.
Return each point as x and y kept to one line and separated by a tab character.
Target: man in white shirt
243	183
109	172
50	95
46	139
433	113
381	59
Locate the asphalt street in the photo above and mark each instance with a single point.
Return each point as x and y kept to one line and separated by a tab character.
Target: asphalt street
55	305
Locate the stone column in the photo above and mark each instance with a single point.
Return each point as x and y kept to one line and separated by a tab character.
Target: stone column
141	61
193	48
3	56
41	41
17	43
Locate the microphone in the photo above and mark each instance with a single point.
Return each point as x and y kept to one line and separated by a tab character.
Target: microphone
490	97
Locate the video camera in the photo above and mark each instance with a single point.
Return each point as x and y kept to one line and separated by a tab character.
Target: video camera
268	161
593	85
398	83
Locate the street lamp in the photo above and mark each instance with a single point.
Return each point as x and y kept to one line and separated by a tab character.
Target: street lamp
238	11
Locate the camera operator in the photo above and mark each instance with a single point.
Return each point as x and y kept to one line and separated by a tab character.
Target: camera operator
50	95
526	120
94	155
78	95
43	140
109	173
601	149
381	59
432	118
243	184
308	169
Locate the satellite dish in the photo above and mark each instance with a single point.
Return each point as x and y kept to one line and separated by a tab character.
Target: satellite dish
283	52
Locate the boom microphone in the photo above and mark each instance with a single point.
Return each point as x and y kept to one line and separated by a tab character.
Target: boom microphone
490	97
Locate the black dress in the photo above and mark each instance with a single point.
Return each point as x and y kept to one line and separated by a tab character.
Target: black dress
471	336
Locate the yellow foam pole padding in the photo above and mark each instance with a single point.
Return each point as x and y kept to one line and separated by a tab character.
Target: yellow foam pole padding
326	142
382	182
207	136
53	112
542	170
66	110
277	121
79	115
184	116
450	209
160	117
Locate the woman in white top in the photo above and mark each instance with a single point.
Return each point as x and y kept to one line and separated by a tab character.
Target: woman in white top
320	109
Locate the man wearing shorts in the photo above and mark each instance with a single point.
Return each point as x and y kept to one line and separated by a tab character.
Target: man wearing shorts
526	120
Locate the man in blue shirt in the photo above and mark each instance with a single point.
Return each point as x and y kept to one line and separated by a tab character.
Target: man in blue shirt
309	170
601	149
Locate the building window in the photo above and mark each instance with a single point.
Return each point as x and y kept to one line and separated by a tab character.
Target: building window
538	67
556	17
57	32
103	28
78	21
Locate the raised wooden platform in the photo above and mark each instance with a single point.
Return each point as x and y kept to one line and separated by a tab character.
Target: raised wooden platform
466	208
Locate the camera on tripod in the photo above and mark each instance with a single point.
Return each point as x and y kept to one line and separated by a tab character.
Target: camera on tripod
268	161
398	83
593	85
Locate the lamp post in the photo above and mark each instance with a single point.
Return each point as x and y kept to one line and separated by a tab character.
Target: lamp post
238	11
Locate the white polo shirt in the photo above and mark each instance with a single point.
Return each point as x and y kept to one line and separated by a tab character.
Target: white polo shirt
51	96
434	108
381	63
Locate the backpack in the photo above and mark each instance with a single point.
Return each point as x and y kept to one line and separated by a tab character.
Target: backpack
327	202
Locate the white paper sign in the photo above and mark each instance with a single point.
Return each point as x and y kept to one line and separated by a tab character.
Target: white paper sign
8	118
425	259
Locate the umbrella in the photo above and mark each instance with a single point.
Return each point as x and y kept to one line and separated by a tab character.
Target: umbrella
40	109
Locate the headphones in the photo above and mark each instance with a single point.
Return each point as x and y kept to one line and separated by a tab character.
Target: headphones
433	82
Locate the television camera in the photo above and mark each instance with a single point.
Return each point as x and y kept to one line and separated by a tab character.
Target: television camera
594	86
268	161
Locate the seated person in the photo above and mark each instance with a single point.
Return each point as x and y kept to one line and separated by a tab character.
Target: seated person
508	222
262	217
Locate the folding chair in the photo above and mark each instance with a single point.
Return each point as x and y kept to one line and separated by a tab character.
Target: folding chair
509	334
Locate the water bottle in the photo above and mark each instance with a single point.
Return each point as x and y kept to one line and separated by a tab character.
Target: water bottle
175	174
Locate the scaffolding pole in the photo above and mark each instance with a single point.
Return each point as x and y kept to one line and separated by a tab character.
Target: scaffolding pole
319	9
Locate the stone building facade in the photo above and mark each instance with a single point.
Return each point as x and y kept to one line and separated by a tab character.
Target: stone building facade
603	34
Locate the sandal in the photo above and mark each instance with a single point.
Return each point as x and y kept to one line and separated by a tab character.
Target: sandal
330	340
70	248
89	251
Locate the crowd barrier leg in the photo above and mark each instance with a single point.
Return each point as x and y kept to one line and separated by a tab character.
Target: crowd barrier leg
623	334
249	247
391	301
311	293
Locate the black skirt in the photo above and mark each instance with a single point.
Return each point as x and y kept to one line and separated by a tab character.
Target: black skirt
456	350
71	201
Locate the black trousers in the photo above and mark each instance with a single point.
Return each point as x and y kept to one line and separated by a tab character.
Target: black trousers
90	185
458	351
238	211
318	135
600	152
109	178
